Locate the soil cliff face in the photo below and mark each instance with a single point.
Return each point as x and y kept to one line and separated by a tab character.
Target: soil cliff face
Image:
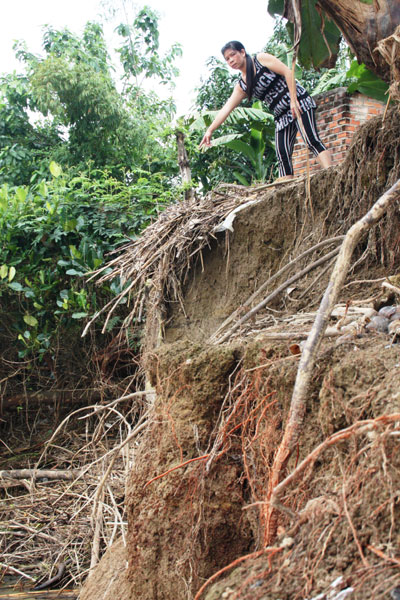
197	491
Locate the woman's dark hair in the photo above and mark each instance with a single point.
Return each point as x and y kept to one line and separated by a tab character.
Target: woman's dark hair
238	46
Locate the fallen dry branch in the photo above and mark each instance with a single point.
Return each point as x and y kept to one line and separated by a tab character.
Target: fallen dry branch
16	571
76	517
306	366
66	475
296	335
391	287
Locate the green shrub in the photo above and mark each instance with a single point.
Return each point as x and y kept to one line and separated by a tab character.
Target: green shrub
52	234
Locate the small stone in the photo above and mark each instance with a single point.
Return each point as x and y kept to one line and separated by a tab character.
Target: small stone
395	593
378	323
287	542
387	311
351	328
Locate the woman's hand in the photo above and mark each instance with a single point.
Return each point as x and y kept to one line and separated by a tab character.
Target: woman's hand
233	101
295	108
206	141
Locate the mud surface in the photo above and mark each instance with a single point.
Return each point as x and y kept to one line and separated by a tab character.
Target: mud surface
198	486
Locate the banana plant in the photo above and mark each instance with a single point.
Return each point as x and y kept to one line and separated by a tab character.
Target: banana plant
255	141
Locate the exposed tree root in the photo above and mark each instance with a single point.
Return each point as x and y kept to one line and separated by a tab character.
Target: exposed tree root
295	419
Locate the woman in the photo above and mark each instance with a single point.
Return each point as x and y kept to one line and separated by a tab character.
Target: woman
267	78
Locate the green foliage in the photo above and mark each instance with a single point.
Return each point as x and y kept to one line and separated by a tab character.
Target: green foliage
54	232
253	140
366	82
139	53
23	145
214	91
315	49
87	118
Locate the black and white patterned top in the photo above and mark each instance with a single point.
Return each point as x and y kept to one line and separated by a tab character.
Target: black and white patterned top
270	87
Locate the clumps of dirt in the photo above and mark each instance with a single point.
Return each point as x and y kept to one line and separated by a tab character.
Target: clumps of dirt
198	485
350	392
112	571
197	490
346	532
184	525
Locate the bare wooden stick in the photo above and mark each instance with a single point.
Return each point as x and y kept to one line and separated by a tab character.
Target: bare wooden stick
271	279
17	571
98	523
391	287
66	475
305	370
275	293
296	335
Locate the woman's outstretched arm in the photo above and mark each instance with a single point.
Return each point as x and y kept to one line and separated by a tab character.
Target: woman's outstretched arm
235	99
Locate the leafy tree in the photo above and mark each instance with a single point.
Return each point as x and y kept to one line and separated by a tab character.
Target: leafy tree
23	145
73	87
214	91
113	169
139	53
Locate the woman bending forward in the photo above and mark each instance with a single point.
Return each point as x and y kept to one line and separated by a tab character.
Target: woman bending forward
270	80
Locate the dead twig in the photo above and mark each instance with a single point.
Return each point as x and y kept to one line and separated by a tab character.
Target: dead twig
16	571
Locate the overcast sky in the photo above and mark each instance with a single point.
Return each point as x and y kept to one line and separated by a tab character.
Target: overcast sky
202	27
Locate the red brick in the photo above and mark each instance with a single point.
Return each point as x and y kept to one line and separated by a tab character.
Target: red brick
338	117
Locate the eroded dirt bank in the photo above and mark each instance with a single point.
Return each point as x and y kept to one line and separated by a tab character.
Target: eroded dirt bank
196	493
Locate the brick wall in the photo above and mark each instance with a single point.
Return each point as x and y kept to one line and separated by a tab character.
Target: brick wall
338	116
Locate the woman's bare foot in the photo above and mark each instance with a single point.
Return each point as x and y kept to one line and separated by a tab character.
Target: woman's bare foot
283	178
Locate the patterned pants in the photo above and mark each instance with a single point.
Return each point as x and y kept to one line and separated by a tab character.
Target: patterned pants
285	139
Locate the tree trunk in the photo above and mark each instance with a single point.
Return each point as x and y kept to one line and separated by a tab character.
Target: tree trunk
183	161
364	25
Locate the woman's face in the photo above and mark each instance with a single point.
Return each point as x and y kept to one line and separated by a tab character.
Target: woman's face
235	58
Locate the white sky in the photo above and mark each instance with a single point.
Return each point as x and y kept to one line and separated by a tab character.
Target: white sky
202	27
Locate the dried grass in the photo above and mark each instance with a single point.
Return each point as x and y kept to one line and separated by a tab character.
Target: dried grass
45	522
153	268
